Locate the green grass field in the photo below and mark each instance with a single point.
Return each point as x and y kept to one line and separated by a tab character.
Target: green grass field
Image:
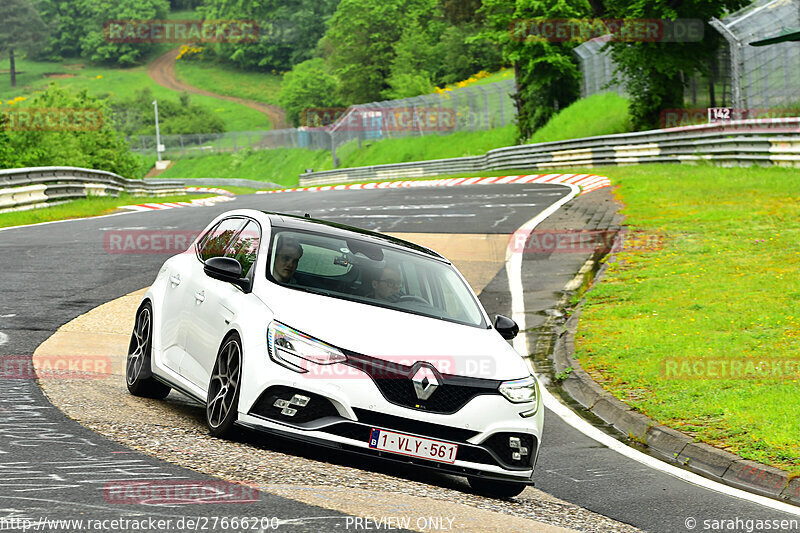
405	149
713	276
221	79
599	114
282	166
86	207
121	83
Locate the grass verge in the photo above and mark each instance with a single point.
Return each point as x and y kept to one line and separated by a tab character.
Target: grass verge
229	81
85	207
121	83
282	165
710	283
405	149
599	114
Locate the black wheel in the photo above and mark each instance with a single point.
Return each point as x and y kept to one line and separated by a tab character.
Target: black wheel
496	489
138	373
223	389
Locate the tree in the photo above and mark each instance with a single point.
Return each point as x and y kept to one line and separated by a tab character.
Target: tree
360	43
96	47
547	73
288	30
93	144
654	73
410	73
78	29
21	28
308	85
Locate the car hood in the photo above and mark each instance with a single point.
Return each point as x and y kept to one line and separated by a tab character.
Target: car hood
399	337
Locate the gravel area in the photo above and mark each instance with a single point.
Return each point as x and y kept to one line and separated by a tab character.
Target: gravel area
174	430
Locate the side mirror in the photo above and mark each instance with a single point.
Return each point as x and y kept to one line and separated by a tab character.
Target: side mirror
507	328
226	269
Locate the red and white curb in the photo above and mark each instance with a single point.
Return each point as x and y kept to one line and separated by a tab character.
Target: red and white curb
221	192
586	182
225	196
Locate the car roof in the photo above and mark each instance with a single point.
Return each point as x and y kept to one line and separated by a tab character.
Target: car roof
283	220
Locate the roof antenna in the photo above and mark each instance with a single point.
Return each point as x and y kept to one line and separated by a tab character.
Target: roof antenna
307	215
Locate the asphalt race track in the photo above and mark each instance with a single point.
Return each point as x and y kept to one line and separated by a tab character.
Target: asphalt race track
50	465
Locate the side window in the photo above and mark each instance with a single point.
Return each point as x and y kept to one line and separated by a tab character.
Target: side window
245	247
216	241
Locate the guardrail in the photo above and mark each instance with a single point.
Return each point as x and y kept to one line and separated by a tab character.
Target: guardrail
735	143
29	188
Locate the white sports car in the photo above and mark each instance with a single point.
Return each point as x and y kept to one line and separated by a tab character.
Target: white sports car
341	337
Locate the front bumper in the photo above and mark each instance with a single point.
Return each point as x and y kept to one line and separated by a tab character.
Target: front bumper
483	450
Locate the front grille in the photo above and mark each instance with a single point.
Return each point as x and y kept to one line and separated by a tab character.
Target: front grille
499	444
394	382
415	427
318	407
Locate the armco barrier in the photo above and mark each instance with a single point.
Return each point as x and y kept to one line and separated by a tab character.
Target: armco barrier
27	188
735	143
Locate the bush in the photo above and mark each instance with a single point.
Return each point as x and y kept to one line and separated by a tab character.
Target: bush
308	85
135	116
100	148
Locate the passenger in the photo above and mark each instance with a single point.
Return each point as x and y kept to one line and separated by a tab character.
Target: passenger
287	256
387	286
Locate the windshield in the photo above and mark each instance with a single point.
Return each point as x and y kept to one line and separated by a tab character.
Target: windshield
372	274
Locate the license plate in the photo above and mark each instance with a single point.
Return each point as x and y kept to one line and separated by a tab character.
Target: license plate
389	441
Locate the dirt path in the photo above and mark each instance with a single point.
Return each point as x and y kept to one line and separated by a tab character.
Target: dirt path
162	71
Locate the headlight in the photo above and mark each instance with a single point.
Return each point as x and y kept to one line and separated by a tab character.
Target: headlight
519	390
293	349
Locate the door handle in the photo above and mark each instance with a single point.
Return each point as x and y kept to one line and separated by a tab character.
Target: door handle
200	296
175	279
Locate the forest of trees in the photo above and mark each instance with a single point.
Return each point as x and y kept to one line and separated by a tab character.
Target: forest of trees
343	52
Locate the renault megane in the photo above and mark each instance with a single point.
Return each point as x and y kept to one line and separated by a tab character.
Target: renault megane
341	337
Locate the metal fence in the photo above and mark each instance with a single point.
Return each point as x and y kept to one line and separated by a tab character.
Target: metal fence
473	108
764	142
745	77
764	76
597	68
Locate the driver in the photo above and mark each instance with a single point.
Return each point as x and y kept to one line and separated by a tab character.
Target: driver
287	257
387	286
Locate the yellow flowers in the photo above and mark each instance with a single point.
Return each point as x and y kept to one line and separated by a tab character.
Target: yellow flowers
469	81
99	77
15	100
189	50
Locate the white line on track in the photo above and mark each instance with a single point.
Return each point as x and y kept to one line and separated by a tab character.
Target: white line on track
514	272
3	338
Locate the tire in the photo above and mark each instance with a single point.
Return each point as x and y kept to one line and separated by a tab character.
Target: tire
222	402
496	489
138	370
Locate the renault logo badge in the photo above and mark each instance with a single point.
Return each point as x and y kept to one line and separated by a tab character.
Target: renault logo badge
425	382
